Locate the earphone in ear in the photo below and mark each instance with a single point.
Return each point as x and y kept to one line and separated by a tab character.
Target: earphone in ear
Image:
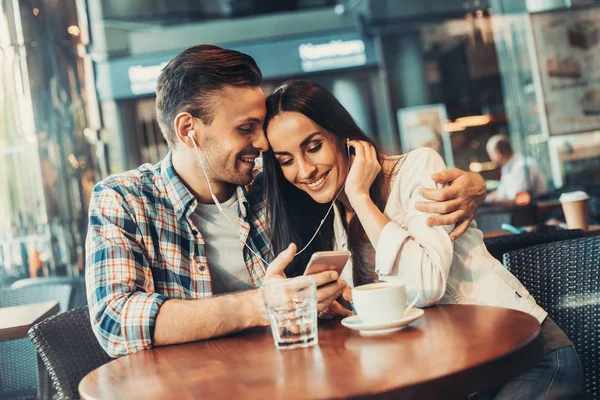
191	134
349	149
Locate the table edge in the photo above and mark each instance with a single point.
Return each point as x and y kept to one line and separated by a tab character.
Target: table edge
16	332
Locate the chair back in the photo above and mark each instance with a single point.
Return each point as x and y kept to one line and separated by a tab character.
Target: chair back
18	361
564	279
69	349
78	297
497	246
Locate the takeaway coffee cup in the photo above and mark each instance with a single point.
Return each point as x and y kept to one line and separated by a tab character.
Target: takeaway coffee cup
379	303
575	207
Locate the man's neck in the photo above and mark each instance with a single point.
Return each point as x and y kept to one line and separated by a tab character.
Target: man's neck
508	160
196	183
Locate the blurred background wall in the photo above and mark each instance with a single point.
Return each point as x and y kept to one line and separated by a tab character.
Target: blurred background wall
47	107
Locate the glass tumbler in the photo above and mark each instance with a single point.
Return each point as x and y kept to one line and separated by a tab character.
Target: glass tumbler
292	308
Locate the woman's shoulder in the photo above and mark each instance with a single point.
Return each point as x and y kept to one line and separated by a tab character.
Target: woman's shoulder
421	158
391	164
413	170
423	155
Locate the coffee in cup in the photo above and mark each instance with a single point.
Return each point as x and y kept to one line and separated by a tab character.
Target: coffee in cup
575	208
379	303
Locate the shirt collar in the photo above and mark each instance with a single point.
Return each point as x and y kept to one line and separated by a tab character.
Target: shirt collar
184	202
242	192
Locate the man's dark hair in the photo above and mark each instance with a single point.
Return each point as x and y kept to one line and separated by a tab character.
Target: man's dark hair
503	146
189	80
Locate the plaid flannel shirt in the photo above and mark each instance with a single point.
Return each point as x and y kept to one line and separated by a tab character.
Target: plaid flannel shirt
143	248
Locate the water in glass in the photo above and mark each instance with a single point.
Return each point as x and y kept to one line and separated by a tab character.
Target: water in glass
292	309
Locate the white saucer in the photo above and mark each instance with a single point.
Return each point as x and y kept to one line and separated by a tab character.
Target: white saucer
354	322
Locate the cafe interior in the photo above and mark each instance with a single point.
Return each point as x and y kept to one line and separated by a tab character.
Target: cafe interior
78	103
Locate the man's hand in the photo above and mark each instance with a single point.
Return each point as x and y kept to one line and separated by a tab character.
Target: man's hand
457	202
329	287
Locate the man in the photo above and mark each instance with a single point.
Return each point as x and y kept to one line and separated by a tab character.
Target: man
159	251
518	173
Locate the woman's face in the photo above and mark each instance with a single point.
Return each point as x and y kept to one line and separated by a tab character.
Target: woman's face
310	158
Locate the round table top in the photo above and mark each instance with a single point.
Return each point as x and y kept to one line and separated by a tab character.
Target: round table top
452	349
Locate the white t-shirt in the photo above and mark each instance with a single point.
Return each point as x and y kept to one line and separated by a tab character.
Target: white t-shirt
425	259
514	179
223	248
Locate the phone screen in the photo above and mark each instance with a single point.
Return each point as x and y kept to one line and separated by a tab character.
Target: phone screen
327	261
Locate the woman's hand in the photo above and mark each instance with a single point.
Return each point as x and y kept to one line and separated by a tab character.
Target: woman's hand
363	171
336	309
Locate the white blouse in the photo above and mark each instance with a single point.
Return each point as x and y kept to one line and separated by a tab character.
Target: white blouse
424	257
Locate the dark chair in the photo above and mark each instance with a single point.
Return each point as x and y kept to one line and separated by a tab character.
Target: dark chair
18	358
78	298
69	349
490	217
564	278
497	246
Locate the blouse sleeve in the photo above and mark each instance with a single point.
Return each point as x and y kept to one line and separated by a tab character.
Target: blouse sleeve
409	250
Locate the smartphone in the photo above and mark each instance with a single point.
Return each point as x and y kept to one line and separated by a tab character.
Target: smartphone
327	261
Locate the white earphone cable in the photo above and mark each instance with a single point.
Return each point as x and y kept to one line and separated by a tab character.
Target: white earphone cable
220	208
191	135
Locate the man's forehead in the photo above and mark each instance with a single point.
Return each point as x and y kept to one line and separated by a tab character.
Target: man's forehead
240	94
240	102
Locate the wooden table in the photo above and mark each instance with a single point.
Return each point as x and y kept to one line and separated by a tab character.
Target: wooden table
545	206
16	321
451	351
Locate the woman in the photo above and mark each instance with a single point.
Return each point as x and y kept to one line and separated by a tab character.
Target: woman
377	220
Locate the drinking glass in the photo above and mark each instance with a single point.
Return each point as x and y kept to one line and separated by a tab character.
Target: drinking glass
292	308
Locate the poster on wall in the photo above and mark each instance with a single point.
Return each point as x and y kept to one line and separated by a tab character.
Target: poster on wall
424	126
568	53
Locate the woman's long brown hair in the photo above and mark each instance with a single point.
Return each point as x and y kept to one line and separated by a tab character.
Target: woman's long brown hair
293	214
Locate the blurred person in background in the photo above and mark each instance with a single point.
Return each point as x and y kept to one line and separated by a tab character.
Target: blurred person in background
518	172
175	252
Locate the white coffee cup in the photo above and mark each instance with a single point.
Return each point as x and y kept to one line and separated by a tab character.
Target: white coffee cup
575	207
379	303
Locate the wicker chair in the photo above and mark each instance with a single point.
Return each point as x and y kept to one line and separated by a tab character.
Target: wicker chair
564	279
69	349
78	298
18	359
497	246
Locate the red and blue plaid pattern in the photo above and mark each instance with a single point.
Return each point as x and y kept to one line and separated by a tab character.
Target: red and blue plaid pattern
143	248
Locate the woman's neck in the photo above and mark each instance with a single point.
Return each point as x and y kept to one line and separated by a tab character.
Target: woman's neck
348	210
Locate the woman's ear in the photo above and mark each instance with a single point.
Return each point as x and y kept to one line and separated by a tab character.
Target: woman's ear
184	124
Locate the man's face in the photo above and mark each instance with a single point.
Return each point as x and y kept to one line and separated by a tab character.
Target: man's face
495	156
235	138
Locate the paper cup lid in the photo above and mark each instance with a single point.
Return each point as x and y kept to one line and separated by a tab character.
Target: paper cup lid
573	196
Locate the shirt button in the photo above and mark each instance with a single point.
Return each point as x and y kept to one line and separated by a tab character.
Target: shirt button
194	232
202	268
